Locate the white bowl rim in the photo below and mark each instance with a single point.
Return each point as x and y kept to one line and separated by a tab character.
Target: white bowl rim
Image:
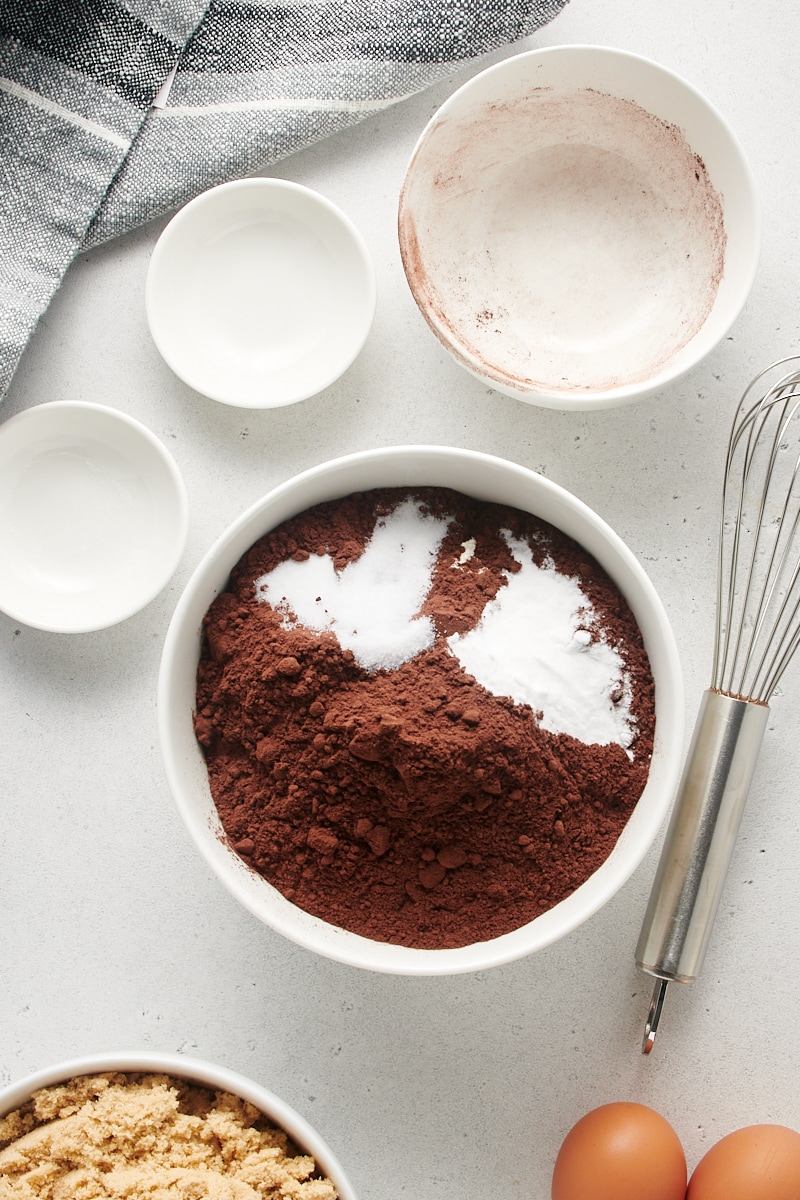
180	514
350	948
265	184
624	393
195	1070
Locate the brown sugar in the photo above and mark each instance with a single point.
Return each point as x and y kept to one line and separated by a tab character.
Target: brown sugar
139	1136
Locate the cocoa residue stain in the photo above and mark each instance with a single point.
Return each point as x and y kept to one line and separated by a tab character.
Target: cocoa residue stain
430	304
409	806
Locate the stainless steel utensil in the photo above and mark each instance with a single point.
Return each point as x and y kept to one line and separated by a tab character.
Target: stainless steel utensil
757	632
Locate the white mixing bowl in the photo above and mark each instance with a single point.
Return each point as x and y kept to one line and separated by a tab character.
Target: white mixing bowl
486	478
578	226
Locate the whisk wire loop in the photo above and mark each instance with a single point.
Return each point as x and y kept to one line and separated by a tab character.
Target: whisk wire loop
758	568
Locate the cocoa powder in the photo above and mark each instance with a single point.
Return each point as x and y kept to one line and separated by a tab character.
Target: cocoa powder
410	805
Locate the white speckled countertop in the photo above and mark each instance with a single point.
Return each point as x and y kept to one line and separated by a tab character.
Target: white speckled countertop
114	934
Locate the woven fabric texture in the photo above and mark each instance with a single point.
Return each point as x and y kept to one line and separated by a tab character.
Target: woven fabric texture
85	156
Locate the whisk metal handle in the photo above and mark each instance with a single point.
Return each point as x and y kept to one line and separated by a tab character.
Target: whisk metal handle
700	840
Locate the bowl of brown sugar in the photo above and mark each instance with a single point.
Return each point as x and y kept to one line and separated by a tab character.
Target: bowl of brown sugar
144	1124
421	710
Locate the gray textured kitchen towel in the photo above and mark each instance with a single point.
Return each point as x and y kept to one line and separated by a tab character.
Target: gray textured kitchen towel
85	156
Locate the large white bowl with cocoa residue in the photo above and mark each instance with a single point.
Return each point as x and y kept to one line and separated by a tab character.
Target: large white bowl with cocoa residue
485	478
303	1138
578	226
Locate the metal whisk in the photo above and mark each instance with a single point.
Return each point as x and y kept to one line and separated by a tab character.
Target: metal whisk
757	632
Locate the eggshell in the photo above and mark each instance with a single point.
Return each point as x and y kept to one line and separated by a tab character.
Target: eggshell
759	1162
620	1151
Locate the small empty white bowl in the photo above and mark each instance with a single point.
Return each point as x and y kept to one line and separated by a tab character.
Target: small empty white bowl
260	293
93	516
579	227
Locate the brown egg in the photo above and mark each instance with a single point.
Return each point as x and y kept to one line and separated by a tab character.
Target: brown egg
620	1151
760	1162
